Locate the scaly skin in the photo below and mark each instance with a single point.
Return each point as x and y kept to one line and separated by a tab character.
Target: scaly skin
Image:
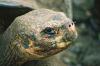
36	35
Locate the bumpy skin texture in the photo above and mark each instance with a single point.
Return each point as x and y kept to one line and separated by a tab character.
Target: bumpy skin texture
36	35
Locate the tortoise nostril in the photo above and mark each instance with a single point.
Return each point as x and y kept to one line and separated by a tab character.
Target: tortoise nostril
72	23
69	25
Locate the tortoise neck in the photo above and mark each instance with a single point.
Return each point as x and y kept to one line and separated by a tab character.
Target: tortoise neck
10	55
7	56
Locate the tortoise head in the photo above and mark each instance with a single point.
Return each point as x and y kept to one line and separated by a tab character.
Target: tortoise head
48	33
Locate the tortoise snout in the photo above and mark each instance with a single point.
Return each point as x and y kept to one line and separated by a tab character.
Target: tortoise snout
71	27
71	32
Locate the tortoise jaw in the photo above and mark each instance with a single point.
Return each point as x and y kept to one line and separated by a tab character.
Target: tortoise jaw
52	50
46	49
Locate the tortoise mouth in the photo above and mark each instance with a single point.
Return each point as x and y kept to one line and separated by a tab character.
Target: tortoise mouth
49	51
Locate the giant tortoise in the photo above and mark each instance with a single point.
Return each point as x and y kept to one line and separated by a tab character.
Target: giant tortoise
34	35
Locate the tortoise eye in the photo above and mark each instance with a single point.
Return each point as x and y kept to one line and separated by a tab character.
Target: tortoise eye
49	31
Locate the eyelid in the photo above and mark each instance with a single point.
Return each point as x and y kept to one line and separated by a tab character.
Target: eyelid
48	28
